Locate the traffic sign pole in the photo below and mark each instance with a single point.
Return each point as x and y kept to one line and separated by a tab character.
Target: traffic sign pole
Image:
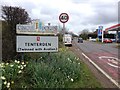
102	36
63	19
63	28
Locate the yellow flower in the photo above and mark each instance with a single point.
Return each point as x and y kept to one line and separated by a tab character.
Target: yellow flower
3	78
12	82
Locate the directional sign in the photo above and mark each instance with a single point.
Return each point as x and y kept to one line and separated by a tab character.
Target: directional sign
63	17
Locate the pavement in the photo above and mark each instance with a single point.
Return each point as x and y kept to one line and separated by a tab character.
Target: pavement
104	56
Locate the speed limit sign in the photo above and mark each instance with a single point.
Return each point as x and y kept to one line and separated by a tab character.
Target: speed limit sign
63	17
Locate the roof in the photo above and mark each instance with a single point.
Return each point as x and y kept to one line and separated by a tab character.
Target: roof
113	28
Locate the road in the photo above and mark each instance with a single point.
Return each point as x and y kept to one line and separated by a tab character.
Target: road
104	56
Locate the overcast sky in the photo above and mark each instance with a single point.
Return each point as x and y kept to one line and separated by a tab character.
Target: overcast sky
83	14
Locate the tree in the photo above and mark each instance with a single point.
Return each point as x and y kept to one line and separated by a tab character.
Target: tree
84	34
12	17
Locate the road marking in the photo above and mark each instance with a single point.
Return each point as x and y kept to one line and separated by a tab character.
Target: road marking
103	72
112	65
108	57
112	61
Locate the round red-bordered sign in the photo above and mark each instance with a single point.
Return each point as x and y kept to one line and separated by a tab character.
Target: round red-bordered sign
63	17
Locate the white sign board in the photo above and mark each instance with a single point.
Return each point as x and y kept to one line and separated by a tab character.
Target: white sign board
37	44
35	29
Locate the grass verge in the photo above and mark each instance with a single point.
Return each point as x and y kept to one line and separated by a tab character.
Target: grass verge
43	70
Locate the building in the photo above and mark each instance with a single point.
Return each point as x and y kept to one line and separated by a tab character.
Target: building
115	28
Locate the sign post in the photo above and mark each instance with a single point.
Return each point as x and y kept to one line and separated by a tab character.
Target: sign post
35	43
100	33
63	19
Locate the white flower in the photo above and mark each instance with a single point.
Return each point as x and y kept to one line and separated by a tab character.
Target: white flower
68	59
20	71
18	66
7	63
11	65
2	65
15	61
68	76
72	80
18	62
77	58
22	67
78	63
23	63
41	57
3	78
8	85
5	82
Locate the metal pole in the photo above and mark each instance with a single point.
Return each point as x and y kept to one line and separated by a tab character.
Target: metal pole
22	56
63	28
102	36
116	35
63	32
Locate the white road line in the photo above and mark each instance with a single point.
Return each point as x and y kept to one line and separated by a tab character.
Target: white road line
103	72
112	65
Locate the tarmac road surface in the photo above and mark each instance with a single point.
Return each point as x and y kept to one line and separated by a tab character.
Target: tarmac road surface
104	56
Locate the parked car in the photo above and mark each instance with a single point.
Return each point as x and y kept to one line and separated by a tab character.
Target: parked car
118	41
92	39
107	40
80	40
113	40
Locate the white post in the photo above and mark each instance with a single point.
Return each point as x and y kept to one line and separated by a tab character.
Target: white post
102	36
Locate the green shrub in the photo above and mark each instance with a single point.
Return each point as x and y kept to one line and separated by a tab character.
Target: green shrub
47	70
12	73
56	72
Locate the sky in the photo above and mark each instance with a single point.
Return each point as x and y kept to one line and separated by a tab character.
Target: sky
83	14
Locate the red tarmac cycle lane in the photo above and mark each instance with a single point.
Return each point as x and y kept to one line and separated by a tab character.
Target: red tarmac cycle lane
104	55
106	61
